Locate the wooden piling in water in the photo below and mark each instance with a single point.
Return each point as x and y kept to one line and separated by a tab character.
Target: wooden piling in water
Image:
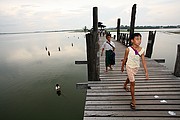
118	29
150	44
114	36
132	24
90	59
177	64
49	53
96	40
93	49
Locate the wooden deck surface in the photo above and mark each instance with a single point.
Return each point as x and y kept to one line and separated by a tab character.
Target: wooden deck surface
156	99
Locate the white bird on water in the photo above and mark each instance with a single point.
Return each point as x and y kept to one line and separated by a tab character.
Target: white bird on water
57	87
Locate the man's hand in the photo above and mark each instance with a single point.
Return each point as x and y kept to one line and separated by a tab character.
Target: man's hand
122	69
147	76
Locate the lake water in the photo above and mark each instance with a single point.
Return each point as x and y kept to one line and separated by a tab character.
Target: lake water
28	75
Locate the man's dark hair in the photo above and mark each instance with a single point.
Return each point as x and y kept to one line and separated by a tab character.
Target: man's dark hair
108	35
135	35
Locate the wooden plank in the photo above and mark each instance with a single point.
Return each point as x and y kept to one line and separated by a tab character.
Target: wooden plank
141	73
141	108
160	60
120	98
130	118
139	102
139	85
137	78
115	81
80	62
136	93
130	114
137	90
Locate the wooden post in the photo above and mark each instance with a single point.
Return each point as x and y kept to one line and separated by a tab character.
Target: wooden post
124	38
114	36
120	37
127	40
177	64
133	16
118	29
95	19
96	44
90	52
150	44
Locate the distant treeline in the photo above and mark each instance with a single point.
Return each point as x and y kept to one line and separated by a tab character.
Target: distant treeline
147	27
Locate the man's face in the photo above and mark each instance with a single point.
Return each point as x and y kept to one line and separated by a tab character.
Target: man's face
136	40
108	38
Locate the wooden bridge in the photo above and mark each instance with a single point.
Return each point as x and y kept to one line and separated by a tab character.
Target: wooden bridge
156	99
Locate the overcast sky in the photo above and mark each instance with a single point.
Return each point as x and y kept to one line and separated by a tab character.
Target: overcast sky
33	15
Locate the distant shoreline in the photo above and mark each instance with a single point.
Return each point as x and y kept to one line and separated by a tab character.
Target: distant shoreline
108	29
174	30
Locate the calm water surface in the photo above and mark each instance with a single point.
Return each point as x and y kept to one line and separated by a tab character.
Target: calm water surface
28	76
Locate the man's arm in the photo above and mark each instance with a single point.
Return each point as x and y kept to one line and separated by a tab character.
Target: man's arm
145	66
125	59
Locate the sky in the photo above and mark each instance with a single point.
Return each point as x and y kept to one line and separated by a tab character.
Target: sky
37	15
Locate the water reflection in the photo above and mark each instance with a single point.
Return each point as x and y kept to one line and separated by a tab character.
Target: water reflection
27	75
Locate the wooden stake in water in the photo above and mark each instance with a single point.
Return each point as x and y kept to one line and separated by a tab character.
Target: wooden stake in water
150	44
49	53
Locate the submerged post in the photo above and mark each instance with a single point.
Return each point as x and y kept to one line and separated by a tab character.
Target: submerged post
133	17
150	44
118	29
177	64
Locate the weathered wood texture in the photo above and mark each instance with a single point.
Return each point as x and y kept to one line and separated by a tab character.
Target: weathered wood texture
96	40
150	44
177	64
132	24
92	42
90	56
118	29
157	98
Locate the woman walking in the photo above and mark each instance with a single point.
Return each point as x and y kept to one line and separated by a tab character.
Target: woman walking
109	47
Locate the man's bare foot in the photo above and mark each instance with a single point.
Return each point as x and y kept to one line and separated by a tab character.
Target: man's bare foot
133	105
126	88
111	68
105	71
